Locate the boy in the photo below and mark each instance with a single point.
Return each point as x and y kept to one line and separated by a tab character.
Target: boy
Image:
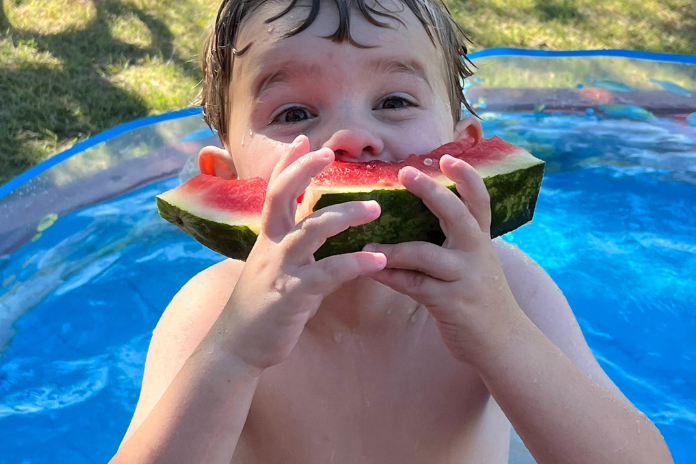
409	353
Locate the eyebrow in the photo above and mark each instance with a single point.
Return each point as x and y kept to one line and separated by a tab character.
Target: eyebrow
284	74
296	70
408	67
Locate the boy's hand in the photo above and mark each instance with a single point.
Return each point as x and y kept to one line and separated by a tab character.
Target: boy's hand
461	283
281	286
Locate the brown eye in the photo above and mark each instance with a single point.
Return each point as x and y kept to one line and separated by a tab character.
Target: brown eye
295	115
392	103
396	103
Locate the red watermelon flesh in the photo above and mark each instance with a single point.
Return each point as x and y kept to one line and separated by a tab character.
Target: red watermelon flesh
383	173
489	157
225	201
225	215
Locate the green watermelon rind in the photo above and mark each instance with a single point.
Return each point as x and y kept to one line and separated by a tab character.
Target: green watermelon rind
233	241
404	217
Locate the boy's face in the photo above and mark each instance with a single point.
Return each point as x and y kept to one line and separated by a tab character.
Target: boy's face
384	102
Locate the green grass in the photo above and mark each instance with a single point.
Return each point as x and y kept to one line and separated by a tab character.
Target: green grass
70	69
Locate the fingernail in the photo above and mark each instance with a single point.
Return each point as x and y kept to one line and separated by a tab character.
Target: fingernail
410	173
373	205
381	262
370	247
455	162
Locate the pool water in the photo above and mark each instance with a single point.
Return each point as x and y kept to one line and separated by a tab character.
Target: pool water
614	227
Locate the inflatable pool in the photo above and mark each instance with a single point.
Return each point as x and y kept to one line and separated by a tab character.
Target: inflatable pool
87	266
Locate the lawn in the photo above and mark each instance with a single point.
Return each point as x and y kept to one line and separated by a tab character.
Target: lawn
70	69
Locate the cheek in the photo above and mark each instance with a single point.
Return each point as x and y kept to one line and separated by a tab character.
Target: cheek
257	157
424	137
254	154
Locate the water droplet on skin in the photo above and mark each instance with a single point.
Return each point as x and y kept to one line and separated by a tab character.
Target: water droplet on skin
428	162
495	278
270	28
251	134
337	337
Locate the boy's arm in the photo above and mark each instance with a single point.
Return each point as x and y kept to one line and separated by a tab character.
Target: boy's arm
561	414
560	401
186	393
232	339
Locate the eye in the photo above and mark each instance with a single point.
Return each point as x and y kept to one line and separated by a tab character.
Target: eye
394	102
292	115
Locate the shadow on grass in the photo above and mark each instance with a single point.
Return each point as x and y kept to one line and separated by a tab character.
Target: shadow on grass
68	96
560	10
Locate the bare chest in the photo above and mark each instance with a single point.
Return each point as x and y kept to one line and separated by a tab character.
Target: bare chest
373	403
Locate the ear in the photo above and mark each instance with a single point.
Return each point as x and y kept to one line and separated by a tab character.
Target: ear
469	127
215	161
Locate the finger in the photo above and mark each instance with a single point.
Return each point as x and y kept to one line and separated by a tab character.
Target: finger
327	275
421	257
299	147
471	188
421	287
312	232
458	224
278	216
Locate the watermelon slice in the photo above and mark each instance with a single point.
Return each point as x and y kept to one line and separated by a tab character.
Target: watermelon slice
225	215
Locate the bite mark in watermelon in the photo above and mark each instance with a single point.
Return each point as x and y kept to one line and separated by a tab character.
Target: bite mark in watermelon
225	215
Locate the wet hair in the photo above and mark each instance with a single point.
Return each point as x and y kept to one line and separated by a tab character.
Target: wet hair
219	49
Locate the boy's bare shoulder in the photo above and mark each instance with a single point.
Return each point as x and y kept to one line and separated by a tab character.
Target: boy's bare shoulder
545	305
537	294
194	309
184	323
203	296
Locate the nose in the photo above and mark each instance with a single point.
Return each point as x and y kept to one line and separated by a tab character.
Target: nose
355	145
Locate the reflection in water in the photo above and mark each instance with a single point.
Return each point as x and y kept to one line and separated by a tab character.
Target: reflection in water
81	256
672	87
612	85
627	111
66	383
691	119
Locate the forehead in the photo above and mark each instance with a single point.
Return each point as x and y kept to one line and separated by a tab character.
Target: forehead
405	39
